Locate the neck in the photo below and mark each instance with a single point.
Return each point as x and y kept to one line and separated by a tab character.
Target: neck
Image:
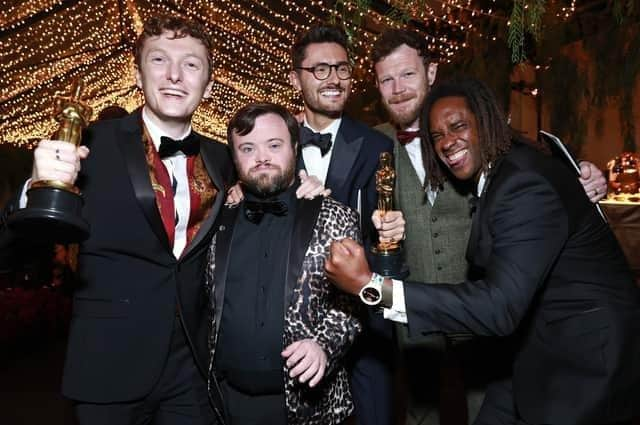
319	121
412	126
174	128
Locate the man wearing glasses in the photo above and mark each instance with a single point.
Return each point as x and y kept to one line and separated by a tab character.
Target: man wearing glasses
343	154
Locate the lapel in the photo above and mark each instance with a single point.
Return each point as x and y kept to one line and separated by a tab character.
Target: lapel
307	212
214	162
223	238
479	245
133	154
345	152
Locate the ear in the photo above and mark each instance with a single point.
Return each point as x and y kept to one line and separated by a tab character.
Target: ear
207	90
138	78
432	70
295	80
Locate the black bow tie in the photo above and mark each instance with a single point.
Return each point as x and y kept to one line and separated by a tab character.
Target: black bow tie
255	210
310	137
189	146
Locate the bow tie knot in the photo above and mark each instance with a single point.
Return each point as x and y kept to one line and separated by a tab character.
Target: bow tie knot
255	210
310	137
189	146
406	136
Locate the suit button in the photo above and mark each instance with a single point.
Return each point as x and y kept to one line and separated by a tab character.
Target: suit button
434	219
439	267
221	228
437	251
436	234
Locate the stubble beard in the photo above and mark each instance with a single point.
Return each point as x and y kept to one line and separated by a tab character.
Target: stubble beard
320	110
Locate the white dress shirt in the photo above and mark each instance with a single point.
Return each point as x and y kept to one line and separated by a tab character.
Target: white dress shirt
316	164
414	150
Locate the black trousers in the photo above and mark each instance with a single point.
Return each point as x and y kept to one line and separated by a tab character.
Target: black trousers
371	361
178	398
246	409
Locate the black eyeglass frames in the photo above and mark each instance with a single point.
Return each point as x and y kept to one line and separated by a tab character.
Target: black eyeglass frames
322	70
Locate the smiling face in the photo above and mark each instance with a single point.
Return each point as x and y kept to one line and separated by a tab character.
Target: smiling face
322	97
265	157
403	80
454	132
174	77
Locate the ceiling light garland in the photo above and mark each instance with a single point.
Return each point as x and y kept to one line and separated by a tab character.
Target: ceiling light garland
45	44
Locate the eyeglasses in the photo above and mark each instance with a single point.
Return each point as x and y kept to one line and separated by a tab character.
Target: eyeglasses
322	71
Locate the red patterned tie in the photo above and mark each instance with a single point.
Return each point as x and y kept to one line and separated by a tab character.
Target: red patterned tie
406	136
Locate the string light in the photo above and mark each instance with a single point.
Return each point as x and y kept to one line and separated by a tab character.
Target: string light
46	44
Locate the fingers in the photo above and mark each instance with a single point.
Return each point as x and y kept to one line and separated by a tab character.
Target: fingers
319	375
376	218
392	226
235	195
57	160
83	152
341	248
593	181
310	187
306	360
585	170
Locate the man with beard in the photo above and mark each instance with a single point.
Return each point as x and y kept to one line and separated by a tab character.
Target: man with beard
344	154
438	224
279	329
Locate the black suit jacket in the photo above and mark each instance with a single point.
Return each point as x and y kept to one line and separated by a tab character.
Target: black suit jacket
130	284
354	161
555	277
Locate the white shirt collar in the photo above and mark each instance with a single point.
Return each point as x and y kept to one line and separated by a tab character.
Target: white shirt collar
331	128
156	132
482	181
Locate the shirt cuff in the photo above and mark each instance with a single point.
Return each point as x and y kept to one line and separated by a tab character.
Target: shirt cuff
398	311
23	195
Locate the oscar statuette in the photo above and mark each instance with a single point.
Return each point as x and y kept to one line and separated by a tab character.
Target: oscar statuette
54	208
388	257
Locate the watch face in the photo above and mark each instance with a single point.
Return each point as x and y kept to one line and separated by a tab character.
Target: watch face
371	295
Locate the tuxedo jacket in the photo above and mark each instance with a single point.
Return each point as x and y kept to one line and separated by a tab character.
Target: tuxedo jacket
554	277
131	287
351	174
313	307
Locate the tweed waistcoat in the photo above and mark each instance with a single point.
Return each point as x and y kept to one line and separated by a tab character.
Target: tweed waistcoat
436	236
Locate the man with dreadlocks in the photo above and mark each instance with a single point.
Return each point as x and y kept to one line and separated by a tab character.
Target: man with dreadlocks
553	281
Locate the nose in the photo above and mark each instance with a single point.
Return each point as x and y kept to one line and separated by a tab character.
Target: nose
397	86
446	142
262	156
174	72
333	75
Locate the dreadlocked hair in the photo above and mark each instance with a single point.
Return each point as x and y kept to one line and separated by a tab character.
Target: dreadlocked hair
495	135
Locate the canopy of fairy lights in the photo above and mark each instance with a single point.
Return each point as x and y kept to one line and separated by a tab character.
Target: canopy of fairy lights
46	44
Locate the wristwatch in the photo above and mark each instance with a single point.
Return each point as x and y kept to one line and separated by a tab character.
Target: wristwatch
375	292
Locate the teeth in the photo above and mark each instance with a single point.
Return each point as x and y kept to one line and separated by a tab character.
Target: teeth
456	156
331	93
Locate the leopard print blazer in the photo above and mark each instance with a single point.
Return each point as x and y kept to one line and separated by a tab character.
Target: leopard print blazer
318	311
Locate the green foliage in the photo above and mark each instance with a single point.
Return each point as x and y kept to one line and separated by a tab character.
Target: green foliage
571	93
515	38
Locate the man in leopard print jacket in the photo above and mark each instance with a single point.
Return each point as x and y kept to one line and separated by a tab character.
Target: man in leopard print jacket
279	329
